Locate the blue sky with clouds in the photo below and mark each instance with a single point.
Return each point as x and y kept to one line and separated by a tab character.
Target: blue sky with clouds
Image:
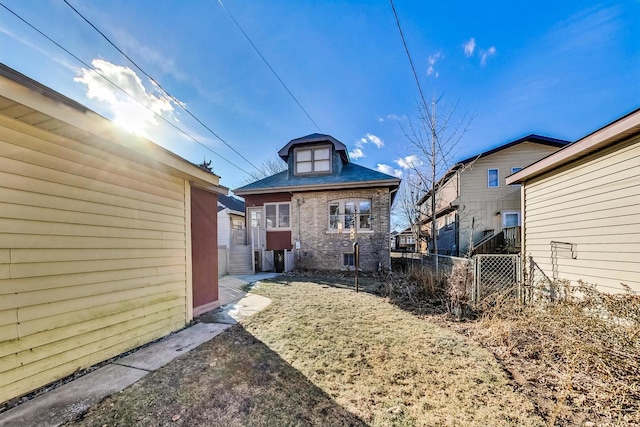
560	69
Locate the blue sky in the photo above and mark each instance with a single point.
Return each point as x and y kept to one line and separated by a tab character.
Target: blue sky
557	68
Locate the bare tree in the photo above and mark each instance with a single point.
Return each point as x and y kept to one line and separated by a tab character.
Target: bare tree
434	136
270	166
407	210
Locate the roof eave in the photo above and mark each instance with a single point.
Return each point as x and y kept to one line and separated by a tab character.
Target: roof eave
623	128
41	98
319	187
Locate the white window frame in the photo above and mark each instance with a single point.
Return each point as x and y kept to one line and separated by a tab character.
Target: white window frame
278	216
504	218
313	161
514	170
342	216
489	178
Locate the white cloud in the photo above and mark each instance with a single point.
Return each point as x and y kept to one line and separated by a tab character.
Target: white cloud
369	138
128	113
396	117
356	153
375	140
389	170
486	54
469	47
433	59
409	162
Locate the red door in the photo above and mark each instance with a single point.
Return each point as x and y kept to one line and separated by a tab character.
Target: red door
204	250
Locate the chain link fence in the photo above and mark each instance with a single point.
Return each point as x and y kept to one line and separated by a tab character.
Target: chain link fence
497	275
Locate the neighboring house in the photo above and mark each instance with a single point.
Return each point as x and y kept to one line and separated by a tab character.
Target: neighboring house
582	208
392	240
405	240
230	221
473	204
107	240
234	257
310	207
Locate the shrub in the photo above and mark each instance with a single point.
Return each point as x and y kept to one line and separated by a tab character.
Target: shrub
459	286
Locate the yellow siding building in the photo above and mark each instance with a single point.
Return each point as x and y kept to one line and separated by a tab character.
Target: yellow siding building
473	203
582	208
95	237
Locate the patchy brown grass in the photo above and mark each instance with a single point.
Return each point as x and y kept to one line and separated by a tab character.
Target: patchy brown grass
578	358
323	355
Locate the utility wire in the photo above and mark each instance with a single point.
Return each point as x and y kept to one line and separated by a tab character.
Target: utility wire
406	49
155	82
268	65
119	88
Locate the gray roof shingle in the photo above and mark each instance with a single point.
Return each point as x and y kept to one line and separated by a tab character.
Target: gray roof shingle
231	203
351	175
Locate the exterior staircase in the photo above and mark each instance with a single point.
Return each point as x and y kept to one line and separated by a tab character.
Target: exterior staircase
506	241
240	261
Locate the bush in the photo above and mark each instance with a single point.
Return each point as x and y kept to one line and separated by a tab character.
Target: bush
419	289
459	286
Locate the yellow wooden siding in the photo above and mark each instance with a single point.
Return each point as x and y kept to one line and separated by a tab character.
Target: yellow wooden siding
93	256
479	204
85	157
594	204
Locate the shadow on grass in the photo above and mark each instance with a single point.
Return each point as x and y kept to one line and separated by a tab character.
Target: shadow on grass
232	380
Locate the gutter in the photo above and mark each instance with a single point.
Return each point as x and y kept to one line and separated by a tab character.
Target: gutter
623	128
319	187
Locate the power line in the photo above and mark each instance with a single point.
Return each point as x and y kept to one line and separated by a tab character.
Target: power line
268	65
119	88
406	49
155	82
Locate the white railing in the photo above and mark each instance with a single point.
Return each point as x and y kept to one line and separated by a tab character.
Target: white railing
238	236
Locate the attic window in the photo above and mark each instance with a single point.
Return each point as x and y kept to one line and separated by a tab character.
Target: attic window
313	160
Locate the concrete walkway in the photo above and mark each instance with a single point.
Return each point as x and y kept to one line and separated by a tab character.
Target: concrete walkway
72	399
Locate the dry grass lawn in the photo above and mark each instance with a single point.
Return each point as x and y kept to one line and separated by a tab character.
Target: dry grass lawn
324	355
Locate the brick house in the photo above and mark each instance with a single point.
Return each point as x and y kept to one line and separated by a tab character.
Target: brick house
304	215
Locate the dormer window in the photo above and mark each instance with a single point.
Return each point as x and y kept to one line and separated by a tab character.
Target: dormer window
313	160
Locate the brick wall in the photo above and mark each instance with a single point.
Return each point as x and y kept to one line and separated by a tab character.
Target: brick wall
322	249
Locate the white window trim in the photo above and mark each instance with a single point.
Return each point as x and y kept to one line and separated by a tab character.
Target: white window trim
341	214
489	178
313	150
277	227
504	218
514	170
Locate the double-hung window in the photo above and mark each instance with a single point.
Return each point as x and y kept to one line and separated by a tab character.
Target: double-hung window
313	160
277	215
346	213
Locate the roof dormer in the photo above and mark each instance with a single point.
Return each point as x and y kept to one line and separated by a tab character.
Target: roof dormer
314	154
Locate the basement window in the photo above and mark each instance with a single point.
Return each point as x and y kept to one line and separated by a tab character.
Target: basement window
348	259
